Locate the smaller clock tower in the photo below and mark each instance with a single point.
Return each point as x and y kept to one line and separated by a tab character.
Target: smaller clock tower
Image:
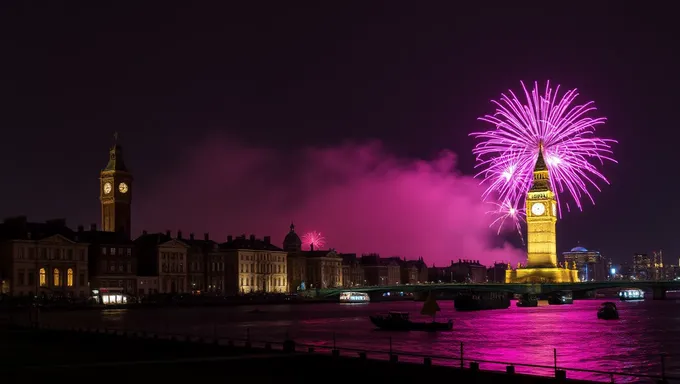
541	208
115	193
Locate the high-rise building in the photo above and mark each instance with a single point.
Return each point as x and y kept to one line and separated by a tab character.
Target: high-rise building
642	267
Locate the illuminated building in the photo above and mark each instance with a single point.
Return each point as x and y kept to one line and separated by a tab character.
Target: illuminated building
311	269
657	265
591	265
42	259
541	214
252	265
115	193
642	267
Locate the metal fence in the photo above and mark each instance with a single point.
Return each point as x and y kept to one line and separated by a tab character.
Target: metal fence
331	347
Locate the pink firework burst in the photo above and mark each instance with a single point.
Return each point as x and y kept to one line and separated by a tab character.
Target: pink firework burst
508	152
504	212
313	240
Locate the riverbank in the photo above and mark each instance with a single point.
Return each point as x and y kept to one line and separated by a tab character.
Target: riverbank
81	356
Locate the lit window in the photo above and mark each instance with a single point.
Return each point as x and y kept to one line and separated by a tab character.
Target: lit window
69	277
57	278
43	277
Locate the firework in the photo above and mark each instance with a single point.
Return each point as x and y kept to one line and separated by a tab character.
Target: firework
506	211
313	240
508	152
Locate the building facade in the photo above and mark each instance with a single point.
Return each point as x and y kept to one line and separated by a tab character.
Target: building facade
162	256
352	271
253	266
591	265
112	260
47	260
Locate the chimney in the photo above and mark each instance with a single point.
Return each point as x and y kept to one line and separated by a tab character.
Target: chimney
191	236
229	238
311	247
80	228
167	233
267	240
144	232
179	234
206	236
252	237
93	227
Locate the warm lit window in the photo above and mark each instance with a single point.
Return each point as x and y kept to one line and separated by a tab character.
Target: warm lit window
69	277
57	278
43	277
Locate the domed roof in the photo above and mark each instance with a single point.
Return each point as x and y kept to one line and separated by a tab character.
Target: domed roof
579	249
292	241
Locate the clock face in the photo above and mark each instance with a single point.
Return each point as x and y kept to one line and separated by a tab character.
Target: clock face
538	209
123	188
107	188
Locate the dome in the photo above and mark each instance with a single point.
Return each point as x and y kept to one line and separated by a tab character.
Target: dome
292	241
579	249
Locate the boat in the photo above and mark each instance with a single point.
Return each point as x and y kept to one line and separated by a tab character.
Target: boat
527	301
481	301
560	298
608	311
400	321
354	297
631	294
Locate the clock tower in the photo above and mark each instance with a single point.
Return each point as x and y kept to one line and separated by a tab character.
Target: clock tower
541	208
541	211
115	193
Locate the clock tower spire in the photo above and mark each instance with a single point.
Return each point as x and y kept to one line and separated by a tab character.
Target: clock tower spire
541	218
115	192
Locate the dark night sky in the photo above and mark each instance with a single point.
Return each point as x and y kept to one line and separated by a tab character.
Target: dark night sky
414	77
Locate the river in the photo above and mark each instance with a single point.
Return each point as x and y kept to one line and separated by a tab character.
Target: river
632	344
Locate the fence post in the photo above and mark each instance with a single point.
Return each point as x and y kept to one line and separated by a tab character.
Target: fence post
555	358
334	340
663	367
390	346
462	363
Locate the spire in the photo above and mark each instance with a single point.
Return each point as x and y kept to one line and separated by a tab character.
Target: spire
540	162
292	227
116	162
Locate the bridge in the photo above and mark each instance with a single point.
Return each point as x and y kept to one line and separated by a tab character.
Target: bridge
658	288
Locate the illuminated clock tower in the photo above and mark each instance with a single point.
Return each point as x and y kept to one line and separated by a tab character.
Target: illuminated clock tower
115	193
541	210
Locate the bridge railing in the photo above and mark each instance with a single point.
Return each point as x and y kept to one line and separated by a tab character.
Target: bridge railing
330	346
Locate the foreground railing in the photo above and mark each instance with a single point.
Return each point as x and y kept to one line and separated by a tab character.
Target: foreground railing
330	346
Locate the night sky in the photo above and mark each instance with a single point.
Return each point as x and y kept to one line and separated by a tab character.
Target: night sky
197	92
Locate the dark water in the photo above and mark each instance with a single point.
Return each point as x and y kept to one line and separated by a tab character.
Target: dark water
632	344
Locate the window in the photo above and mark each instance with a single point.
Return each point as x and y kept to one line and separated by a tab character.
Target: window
43	277
129	251
57	278
69	277
113	251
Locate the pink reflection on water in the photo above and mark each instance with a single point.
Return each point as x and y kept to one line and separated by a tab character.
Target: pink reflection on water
515	335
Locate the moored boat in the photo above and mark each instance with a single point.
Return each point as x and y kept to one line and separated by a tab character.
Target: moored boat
400	321
608	311
561	297
527	301
481	301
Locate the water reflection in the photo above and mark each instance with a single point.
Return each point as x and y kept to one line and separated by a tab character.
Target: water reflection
522	335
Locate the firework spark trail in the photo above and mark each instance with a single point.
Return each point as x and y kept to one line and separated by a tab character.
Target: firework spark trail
313	239
505	211
508	152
